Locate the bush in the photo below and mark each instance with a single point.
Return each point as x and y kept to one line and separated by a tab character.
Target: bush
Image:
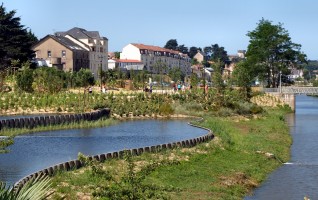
166	109
25	80
225	112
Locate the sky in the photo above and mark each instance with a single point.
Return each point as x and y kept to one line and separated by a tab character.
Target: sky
198	23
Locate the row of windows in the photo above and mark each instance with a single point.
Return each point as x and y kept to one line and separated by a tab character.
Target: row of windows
63	54
101	49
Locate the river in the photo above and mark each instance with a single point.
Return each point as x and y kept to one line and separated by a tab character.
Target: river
299	177
36	151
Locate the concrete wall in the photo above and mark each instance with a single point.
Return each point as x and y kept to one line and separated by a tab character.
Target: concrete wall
32	122
76	164
288	99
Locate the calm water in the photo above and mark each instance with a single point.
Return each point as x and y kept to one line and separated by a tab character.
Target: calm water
36	151
298	178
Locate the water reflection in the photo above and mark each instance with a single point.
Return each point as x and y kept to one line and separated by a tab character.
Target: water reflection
36	151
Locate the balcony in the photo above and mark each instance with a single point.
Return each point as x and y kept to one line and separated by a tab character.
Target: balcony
55	60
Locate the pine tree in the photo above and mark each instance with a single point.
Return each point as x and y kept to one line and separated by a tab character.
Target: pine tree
15	40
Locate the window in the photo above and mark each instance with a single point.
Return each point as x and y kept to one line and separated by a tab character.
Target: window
63	53
49	54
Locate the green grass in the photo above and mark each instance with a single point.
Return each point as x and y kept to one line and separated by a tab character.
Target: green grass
228	167
76	125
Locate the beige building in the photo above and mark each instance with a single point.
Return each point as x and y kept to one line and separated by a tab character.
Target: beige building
96	44
62	53
200	56
157	59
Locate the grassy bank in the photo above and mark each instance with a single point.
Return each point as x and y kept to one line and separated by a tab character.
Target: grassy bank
76	125
240	157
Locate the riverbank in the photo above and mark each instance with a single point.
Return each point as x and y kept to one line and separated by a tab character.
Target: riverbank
241	156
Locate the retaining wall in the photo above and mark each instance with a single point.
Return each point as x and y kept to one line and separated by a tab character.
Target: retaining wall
76	164
32	122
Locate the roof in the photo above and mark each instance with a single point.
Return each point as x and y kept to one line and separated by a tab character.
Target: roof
63	41
202	53
128	61
81	33
154	48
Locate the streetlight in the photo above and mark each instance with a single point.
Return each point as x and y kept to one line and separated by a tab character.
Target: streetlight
101	71
280	81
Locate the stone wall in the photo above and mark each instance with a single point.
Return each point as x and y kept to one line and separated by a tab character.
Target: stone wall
76	164
32	122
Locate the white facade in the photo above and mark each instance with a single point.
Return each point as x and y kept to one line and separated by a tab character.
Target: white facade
156	59
125	65
111	64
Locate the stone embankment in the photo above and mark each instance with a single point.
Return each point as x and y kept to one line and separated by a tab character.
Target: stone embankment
267	100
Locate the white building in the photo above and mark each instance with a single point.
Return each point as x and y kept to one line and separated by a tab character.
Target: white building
157	59
125	64
94	43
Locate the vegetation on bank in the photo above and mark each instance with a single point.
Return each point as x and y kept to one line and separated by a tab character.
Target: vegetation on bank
243	153
227	167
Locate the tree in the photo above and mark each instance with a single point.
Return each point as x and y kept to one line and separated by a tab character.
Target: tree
194	80
193	51
215	52
84	78
117	55
271	52
183	49
15	41
171	44
176	74
243	75
217	79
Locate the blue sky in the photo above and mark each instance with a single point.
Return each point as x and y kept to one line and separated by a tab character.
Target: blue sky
198	23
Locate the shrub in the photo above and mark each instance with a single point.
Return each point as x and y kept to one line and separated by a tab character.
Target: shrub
25	80
166	109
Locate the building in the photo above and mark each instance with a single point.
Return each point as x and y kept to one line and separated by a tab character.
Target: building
65	50
157	59
98	47
62	53
200	56
233	60
125	64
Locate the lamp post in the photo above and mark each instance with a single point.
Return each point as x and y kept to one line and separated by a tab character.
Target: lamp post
280	81
101	71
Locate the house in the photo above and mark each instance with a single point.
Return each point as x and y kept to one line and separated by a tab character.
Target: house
98	47
125	64
62	53
233	60
157	59
200	56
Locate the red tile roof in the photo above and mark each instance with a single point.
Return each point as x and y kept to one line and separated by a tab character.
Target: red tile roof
154	48
127	61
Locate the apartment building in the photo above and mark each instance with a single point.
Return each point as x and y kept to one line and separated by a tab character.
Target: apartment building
157	59
62	53
61	50
98	47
